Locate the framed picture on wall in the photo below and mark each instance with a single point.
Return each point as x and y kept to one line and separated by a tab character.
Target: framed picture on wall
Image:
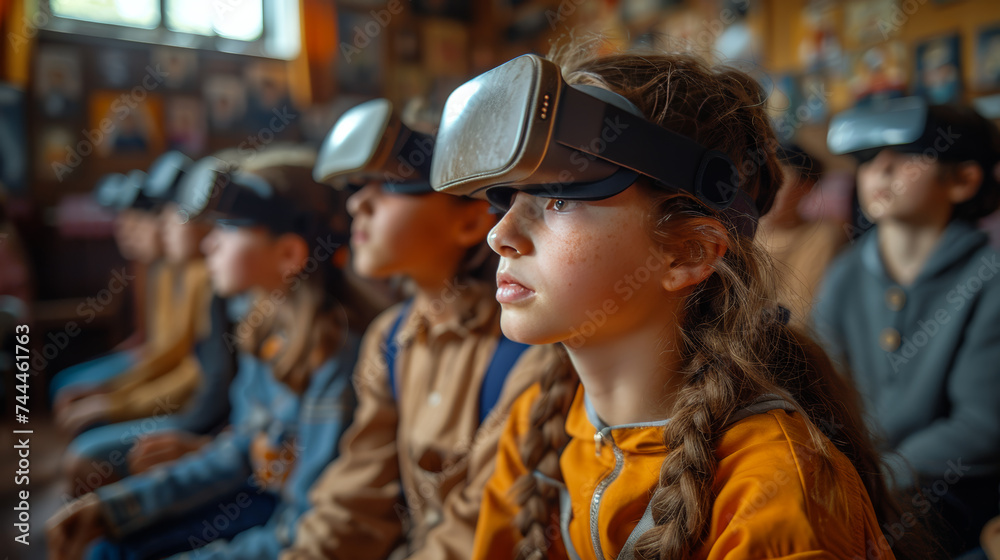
186	125
180	66
268	93
359	66
869	22
55	156
126	125
226	96
938	75
445	48
453	9
116	69
58	81
987	56
878	73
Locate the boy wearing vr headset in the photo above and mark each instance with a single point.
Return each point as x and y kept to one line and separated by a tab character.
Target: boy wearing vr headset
149	395
435	377
292	397
911	311
137	234
161	381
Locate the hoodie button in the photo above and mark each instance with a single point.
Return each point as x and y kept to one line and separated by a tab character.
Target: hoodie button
889	339
895	298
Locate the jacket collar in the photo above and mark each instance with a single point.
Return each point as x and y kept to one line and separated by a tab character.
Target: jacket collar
959	239
476	311
583	422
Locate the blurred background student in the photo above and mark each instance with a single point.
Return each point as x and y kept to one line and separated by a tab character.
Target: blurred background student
435	377
910	312
166	411
139	237
801	247
276	235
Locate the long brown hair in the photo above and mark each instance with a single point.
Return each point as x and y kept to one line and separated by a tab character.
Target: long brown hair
322	303
734	346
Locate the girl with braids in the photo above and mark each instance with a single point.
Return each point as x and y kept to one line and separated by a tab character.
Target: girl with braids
689	420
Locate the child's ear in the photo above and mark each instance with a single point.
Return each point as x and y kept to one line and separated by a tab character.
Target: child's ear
475	223
965	182
291	252
695	260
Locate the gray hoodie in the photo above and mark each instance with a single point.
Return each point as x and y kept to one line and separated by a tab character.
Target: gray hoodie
925	357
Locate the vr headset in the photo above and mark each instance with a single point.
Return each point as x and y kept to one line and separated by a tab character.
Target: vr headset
213	189
165	174
117	191
911	125
370	143
521	126
110	192
141	190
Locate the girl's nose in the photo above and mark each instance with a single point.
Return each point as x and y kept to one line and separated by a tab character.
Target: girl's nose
509	237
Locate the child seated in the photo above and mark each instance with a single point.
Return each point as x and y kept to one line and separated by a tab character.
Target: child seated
801	247
292	397
436	377
690	421
159	378
911	310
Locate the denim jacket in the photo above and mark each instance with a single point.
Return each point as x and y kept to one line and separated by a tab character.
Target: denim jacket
308	427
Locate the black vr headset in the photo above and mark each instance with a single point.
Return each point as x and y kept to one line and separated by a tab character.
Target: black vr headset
217	190
911	125
370	143
521	126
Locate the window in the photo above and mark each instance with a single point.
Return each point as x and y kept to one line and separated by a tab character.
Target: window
136	13
267	27
232	19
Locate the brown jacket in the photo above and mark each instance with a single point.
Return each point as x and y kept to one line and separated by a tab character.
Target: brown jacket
427	446
168	371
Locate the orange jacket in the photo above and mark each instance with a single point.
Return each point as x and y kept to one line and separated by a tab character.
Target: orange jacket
764	489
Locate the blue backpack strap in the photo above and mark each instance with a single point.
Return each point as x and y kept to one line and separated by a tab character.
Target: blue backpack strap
504	356
392	347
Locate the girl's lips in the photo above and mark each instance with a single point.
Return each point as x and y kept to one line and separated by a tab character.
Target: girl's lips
509	290
358	236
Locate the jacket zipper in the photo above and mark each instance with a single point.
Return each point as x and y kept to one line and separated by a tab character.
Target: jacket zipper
595	501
